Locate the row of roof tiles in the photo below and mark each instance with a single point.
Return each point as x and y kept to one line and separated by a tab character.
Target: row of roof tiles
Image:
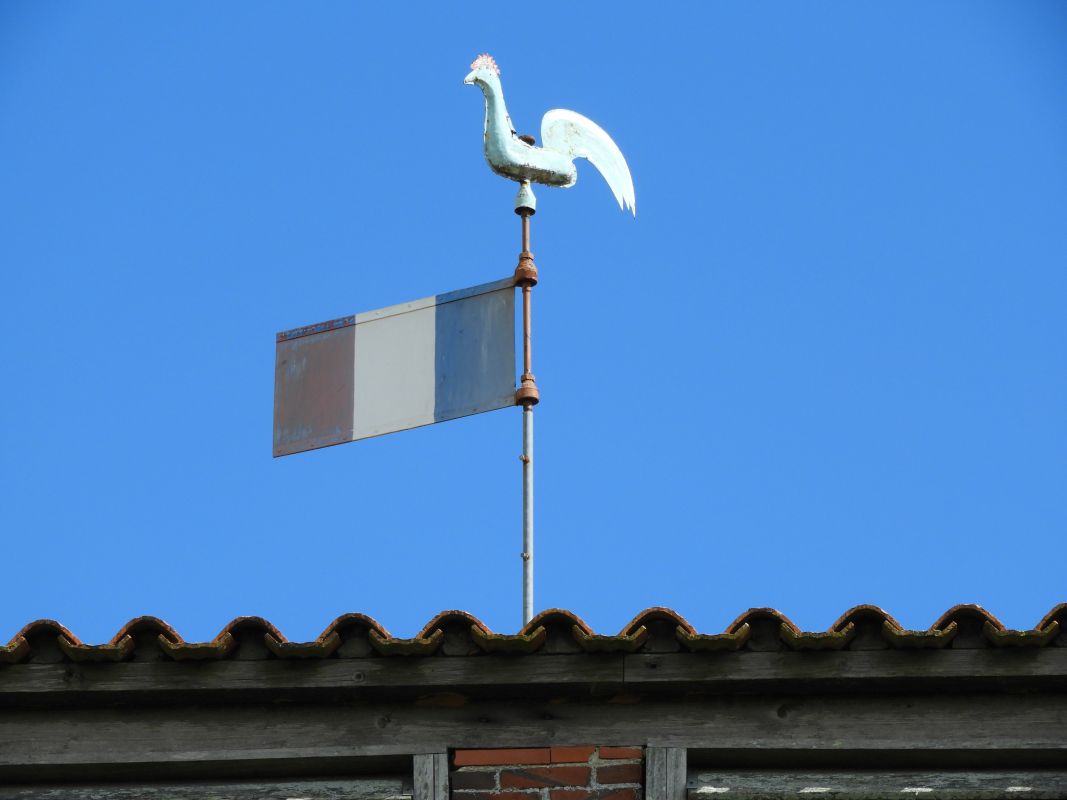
457	633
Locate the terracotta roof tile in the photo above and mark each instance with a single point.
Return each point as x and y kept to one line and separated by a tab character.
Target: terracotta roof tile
447	619
766	625
355	621
1035	638
43	637
971	621
649	616
323	647
557	616
354	632
662	625
144	635
1057	614
713	642
148	626
826	640
555	631
220	647
517	644
868	621
560	627
119	651
14	652
622	643
932	639
456	629
45	627
250	636
864	614
416	646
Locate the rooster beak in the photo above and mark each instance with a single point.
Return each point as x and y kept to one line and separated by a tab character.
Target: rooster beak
469	79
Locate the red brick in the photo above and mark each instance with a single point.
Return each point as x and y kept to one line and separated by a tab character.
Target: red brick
473	780
496	795
511	755
544	776
621	752
572	755
594	794
620	773
572	794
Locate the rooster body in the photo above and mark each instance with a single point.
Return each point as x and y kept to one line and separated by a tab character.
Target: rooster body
565	136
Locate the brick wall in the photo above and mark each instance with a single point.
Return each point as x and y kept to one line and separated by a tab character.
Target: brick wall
548	773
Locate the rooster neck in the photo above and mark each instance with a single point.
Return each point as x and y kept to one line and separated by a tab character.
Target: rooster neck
497	120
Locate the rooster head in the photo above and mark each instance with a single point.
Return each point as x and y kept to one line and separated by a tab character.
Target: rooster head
483	67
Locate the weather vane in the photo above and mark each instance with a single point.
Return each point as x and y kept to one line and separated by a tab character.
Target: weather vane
449	355
565	136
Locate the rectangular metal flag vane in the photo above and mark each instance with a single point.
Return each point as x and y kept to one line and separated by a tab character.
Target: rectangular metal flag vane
399	367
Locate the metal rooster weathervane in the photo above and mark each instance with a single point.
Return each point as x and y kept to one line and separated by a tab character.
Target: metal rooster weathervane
565	136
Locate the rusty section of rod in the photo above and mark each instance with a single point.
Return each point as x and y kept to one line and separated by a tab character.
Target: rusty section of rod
526	271
526	278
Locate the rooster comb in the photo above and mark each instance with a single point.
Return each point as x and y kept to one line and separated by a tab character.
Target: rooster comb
486	60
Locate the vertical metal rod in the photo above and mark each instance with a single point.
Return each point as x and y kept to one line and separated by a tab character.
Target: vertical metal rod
527	396
527	446
527	513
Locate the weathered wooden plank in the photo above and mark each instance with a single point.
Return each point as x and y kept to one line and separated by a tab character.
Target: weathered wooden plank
675	773
440	776
665	774
338	789
1045	667
971	726
879	785
233	681
655	773
423	785
431	776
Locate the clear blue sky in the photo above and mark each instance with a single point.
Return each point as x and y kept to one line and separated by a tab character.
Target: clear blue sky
824	366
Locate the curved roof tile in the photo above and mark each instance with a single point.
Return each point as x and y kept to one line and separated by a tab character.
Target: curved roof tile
153	626
657	614
865	614
756	615
556	616
967	613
